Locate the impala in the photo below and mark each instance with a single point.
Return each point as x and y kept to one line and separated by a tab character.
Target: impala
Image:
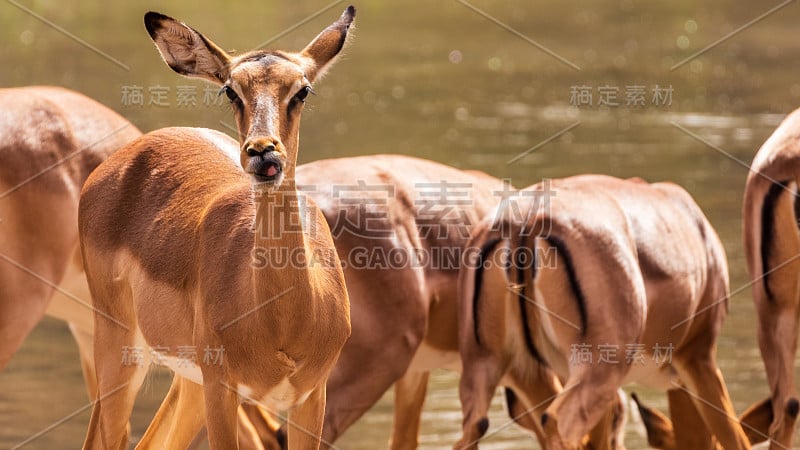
168	228
637	267
772	249
403	314
52	138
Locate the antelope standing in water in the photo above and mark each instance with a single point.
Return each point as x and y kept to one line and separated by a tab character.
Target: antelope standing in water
772	248
637	266
169	226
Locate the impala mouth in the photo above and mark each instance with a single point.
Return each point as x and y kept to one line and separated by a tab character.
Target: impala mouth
267	171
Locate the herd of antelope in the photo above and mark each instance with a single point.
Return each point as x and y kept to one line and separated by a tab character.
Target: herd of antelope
167	239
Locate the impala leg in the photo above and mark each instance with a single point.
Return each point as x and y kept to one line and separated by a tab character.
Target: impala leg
117	387
479	379
777	302
27	264
118	380
85	341
619	418
305	422
687	422
179	418
707	389
777	338
222	405
386	333
408	401
357	382
23	301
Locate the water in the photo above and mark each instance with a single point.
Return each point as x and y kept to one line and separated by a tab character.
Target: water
439	80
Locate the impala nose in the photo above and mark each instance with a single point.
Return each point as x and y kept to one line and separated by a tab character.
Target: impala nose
256	151
260	145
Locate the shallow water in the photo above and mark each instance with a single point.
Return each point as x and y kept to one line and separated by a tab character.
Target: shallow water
439	80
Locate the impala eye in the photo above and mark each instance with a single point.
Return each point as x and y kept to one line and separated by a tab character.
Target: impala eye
303	93
230	93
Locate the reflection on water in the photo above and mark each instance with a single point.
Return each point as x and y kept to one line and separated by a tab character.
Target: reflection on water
437	80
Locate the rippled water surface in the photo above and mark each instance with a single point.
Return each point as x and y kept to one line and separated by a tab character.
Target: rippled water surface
440	80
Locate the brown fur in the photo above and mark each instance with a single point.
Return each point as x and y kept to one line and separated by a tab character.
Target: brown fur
609	226
52	138
169	226
772	245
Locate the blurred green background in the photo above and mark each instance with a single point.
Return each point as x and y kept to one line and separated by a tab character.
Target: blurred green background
439	80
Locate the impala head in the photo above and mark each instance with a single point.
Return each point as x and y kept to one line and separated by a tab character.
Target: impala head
267	89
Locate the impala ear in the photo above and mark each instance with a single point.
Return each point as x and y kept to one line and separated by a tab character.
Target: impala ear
187	51
320	54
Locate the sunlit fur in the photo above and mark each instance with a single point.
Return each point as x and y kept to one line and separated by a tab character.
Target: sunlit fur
636	263
52	139
772	246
